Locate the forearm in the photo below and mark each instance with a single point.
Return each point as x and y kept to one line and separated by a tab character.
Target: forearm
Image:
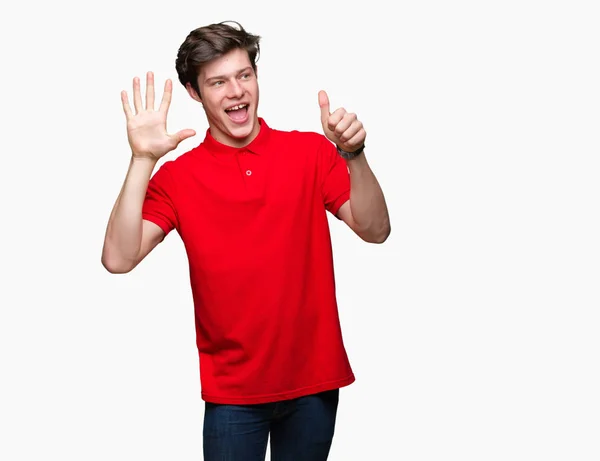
367	202
123	237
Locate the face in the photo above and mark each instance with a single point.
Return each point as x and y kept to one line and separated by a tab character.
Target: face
229	94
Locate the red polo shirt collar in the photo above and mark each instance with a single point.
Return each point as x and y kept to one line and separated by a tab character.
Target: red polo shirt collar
258	145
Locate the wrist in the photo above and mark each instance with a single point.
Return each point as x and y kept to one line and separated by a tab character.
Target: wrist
143	158
357	164
350	155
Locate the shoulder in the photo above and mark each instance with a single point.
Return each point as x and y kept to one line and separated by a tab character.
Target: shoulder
181	164
301	139
170	171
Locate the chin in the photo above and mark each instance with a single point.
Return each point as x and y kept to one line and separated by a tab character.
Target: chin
238	134
242	131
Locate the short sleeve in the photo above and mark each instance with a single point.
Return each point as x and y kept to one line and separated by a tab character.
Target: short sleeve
335	177
158	204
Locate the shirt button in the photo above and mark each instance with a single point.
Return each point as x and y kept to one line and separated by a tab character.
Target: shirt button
248	172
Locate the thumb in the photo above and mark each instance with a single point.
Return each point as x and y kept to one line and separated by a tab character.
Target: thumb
324	104
183	134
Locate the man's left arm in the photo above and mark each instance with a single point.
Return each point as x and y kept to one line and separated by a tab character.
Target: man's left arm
366	212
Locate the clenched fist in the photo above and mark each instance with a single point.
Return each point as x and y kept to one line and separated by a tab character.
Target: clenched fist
342	128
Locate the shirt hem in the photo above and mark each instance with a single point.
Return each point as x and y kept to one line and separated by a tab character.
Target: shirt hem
267	398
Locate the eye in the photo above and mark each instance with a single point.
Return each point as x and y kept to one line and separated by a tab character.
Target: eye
246	76
218	83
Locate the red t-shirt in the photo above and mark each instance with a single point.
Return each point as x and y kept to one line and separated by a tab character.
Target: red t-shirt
254	225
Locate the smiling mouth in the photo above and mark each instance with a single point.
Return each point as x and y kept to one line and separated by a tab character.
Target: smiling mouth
237	113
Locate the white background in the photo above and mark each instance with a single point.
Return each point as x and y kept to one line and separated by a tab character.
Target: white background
473	330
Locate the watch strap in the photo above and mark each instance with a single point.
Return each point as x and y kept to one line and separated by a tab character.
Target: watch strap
350	155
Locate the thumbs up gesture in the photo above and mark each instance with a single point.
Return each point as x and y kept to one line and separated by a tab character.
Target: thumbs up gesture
342	128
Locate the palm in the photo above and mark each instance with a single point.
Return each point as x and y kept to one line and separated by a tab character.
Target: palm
147	128
147	133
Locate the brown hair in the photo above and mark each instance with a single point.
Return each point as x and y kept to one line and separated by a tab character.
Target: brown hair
209	42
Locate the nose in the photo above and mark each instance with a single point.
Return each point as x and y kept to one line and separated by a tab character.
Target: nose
235	89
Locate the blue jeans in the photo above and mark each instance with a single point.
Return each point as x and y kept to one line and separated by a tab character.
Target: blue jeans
301	429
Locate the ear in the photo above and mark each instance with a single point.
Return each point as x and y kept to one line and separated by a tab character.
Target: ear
195	96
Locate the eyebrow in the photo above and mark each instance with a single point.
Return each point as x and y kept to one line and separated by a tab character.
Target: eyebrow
223	77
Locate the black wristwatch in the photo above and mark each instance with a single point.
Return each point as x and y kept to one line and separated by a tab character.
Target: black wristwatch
350	155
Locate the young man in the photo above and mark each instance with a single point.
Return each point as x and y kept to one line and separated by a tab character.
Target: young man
250	204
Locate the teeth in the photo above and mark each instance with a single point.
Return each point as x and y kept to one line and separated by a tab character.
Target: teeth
240	106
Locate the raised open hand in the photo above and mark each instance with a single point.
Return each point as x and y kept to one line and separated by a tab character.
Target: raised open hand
147	128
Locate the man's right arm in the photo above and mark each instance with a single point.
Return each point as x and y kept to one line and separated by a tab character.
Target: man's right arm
129	238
